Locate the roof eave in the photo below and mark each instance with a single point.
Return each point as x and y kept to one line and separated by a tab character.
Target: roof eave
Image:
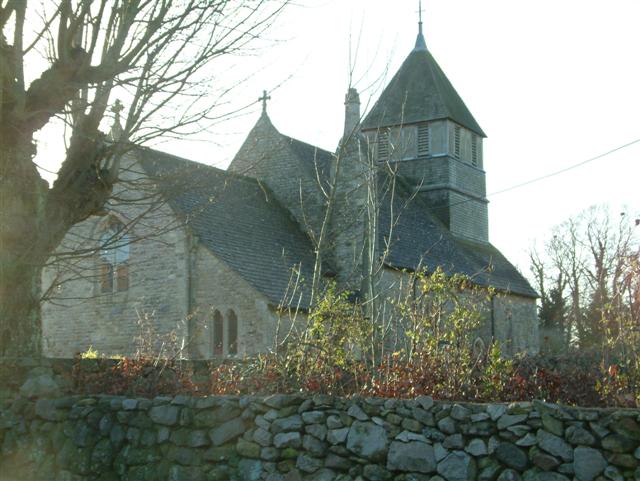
373	127
529	294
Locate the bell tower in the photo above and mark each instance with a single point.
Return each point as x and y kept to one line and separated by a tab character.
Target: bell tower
426	133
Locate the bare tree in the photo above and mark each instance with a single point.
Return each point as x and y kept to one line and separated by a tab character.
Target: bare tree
551	284
587	277
156	53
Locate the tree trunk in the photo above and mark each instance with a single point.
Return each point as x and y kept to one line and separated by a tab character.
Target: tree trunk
22	197
20	321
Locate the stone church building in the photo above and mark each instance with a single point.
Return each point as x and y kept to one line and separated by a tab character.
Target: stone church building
219	263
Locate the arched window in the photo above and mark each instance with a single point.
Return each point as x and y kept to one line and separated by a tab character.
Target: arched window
224	335
114	258
218	334
232	333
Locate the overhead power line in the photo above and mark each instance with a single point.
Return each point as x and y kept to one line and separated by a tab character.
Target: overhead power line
566	169
543	177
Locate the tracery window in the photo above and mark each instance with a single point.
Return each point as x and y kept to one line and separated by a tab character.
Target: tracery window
113	272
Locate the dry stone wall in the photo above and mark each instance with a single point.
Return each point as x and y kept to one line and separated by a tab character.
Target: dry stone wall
285	437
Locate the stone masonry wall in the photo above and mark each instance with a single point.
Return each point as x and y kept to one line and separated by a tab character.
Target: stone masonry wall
217	287
175	286
290	438
516	323
510	319
78	315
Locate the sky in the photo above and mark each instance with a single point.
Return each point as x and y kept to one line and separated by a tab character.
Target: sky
553	83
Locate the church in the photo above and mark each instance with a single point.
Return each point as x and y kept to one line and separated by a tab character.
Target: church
199	262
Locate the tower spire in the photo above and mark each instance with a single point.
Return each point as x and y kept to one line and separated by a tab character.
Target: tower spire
420	43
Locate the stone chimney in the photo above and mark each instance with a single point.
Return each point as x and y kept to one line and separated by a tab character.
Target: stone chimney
351	112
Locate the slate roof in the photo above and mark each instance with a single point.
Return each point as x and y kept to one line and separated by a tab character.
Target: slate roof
239	220
314	160
419	91
417	239
311	157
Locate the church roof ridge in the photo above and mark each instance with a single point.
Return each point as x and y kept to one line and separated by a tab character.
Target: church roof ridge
300	146
305	145
264	118
310	156
159	155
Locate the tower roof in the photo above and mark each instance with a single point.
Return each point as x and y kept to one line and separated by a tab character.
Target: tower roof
420	91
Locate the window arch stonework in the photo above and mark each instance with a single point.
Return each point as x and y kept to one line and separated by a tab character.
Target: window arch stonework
232	333
113	257
218	334
225	333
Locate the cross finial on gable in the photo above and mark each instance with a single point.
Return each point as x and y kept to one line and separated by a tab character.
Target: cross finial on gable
264	99
116	128
117	108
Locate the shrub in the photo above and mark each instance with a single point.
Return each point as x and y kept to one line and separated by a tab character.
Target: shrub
90	353
340	351
131	376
